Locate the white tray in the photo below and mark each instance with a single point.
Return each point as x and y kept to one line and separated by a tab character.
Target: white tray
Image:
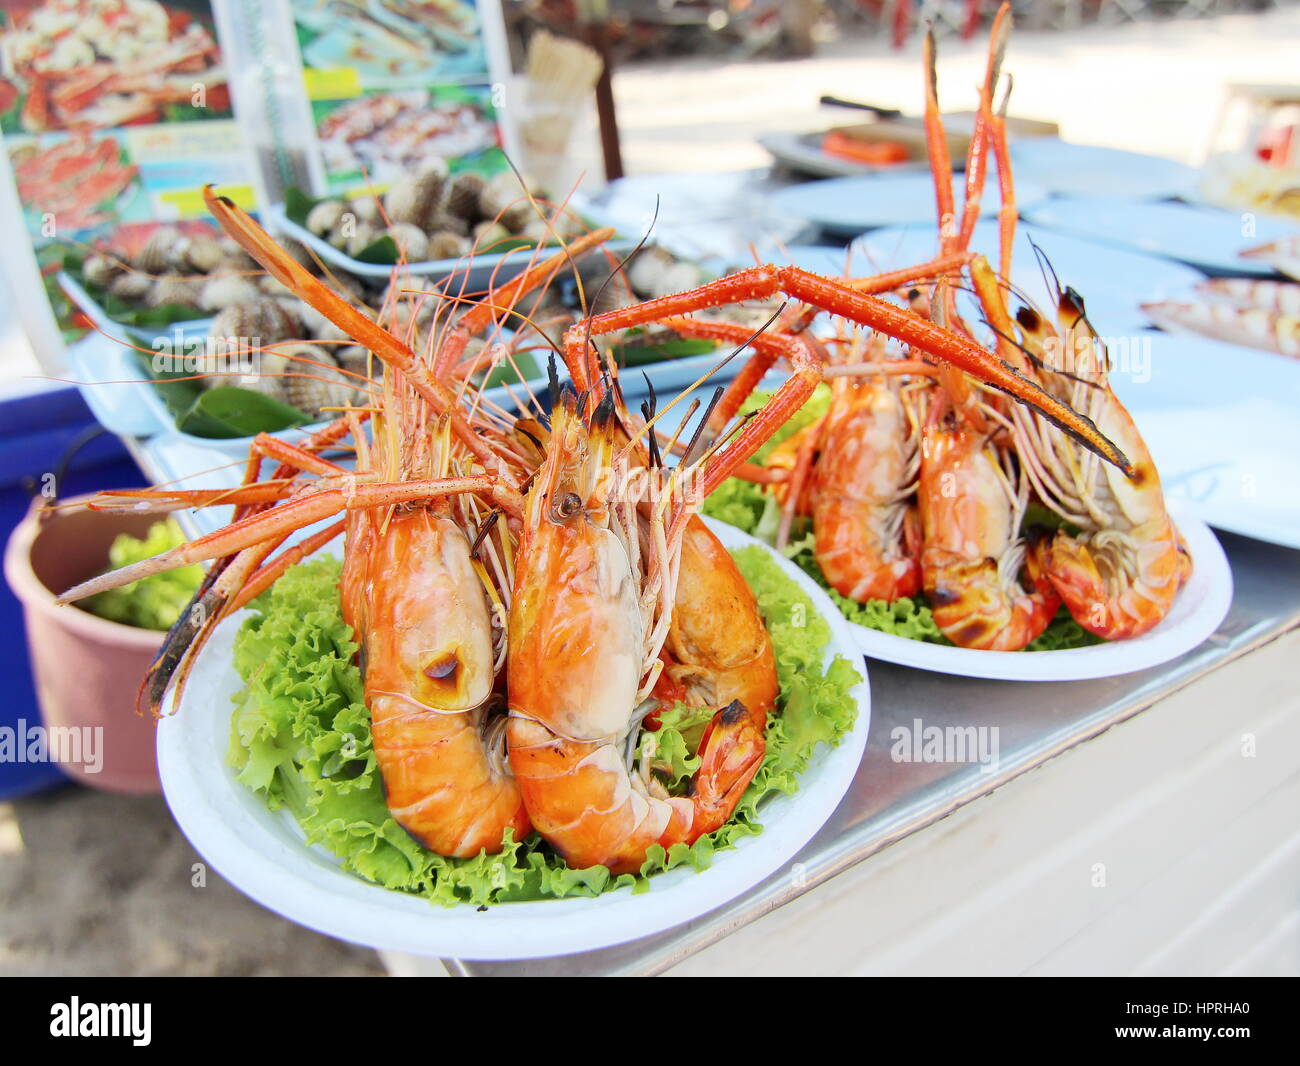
485	270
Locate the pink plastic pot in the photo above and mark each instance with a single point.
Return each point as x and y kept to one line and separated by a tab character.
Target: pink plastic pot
87	669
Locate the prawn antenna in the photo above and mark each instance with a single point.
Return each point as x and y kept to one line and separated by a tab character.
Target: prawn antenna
750	339
1045	265
622	264
484	530
648	408
690	454
1034	360
552	380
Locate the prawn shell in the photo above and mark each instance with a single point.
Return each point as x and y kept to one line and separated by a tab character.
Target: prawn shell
428	674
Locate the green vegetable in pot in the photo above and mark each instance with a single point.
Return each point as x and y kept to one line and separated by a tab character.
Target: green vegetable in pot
152	602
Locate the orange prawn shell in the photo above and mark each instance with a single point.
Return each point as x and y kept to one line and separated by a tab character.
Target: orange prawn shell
862	468
569	667
966	521
573	675
1120	575
578	658
1101	596
428	672
721	647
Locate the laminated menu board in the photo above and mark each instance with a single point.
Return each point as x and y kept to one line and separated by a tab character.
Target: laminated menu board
395	84
115	114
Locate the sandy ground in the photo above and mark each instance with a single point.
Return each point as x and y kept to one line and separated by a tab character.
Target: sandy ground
101	884
1152	87
96	884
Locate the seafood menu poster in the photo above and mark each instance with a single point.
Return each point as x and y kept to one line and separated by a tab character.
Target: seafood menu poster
397	85
115	114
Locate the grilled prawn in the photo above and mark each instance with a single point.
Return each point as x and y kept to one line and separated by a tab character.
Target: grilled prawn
588	618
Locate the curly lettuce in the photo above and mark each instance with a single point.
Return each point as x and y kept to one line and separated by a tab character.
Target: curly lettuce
300	739
153	602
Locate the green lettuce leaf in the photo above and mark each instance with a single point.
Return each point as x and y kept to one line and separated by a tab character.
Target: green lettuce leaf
300	739
153	602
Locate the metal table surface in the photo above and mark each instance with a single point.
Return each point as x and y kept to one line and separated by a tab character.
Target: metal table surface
890	800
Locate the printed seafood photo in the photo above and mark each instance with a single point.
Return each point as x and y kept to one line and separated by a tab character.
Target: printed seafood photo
382	136
96	64
391	43
74	183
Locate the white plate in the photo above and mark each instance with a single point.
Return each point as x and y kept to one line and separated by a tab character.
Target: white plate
1111	281
1207	237
1220	422
263	853
848	206
1201	605
1089	170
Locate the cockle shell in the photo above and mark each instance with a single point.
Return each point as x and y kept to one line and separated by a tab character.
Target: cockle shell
488	234
402	287
160	251
416	199
549	228
406	319
462	196
537	230
677	278
324	217
445	223
367	210
269	380
447	246
130	286
225	290
299	252
411	241
173	291
646	268
503	196
269	286
258	322
357	359
309	388
611	295
293	308
316	326
100	270
202	253
235	256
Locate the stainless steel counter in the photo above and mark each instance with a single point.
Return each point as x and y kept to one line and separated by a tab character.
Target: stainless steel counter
890	800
